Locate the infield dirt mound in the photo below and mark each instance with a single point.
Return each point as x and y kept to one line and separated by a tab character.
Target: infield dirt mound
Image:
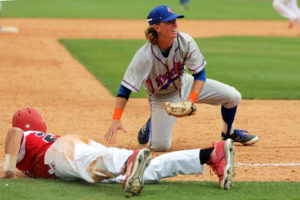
36	71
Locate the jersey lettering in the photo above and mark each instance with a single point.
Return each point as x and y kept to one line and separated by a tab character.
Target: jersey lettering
164	80
46	137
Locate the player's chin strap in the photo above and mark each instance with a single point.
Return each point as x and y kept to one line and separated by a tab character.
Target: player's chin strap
10	163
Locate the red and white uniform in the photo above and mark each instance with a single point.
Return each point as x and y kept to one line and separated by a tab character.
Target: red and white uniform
43	155
32	152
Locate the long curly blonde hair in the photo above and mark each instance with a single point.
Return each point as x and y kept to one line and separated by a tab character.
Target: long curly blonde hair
151	35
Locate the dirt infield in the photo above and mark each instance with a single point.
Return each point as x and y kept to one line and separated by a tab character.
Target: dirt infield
36	71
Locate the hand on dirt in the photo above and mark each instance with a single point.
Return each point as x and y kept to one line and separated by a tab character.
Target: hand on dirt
111	134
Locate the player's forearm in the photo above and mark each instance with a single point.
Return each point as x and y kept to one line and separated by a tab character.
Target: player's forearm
12	146
197	86
196	90
119	107
121	103
13	141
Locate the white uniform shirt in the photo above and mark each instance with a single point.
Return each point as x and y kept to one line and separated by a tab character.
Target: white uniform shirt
161	75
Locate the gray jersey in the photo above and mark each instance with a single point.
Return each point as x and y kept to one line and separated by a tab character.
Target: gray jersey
161	75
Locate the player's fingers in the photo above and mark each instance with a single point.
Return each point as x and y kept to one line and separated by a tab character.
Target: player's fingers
113	136
108	135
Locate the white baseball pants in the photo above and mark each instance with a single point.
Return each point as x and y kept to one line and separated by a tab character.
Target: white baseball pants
76	157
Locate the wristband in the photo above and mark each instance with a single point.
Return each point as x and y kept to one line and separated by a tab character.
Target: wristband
10	163
117	113
193	97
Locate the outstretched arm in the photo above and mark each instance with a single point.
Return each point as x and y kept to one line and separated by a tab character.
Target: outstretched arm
12	146
116	124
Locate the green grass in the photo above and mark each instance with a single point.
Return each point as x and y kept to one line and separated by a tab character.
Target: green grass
107	60
139	9
37	189
259	67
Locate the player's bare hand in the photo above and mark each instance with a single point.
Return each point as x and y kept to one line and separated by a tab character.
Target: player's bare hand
111	134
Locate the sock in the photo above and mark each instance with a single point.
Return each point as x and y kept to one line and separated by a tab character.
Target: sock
228	117
124	167
204	155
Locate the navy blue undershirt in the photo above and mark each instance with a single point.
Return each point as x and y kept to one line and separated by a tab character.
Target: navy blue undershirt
124	92
201	76
166	53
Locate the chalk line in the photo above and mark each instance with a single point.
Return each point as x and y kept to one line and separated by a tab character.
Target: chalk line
252	164
266	164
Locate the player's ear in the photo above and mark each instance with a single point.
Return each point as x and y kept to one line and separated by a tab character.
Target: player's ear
156	27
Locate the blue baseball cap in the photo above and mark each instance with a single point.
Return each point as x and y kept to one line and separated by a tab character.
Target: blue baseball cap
162	13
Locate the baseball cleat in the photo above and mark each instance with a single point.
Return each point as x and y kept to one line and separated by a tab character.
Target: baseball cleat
135	167
222	162
240	136
144	133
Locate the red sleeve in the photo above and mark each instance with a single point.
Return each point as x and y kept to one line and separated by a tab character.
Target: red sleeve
30	159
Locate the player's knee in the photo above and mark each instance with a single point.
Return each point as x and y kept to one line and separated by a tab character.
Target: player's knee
159	147
234	99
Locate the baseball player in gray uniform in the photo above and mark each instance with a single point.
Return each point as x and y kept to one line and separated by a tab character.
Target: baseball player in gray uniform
288	9
160	66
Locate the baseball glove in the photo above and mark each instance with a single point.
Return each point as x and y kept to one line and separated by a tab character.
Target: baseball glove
181	109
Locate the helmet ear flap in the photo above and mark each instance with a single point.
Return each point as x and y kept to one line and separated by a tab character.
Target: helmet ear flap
29	119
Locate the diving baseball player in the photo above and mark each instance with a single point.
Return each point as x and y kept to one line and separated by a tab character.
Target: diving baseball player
160	66
39	154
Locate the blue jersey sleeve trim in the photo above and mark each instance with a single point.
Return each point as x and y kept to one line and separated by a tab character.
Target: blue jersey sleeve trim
124	92
201	76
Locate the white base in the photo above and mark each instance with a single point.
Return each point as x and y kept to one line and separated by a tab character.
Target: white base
9	30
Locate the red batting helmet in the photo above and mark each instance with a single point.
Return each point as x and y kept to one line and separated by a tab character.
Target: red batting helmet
29	119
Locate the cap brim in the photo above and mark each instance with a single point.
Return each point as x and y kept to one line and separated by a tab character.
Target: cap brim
172	18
